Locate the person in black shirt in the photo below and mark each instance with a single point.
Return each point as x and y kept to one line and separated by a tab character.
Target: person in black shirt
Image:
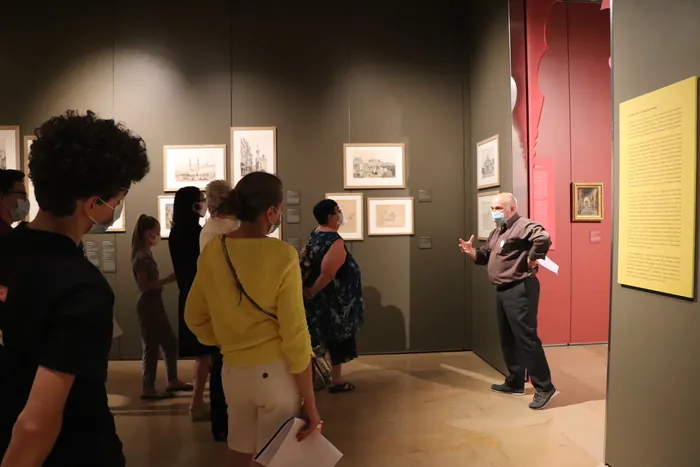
56	308
189	207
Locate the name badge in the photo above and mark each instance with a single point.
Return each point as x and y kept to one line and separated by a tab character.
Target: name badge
503	242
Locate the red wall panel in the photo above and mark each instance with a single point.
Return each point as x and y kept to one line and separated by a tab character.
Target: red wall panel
569	115
553	143
591	161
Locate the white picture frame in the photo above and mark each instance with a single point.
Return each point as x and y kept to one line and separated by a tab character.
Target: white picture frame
352	205
31	197
253	149
390	216
165	215
484	222
488	163
193	165
10	149
119	225
374	166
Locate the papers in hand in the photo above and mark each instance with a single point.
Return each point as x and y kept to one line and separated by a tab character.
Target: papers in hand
284	450
549	265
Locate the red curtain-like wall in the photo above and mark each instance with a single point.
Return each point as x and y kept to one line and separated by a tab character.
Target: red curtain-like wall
570	140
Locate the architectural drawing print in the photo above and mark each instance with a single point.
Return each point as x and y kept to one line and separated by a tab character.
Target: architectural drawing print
193	166
374	166
254	149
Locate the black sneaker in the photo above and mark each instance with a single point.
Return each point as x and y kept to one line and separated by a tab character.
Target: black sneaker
542	399
505	389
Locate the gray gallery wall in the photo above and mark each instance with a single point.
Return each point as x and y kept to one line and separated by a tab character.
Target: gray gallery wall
652	406
363	71
489	90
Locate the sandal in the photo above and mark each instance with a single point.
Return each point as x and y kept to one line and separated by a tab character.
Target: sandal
345	387
181	387
157	396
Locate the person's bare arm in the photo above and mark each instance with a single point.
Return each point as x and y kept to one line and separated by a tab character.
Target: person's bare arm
39	424
145	285
332	262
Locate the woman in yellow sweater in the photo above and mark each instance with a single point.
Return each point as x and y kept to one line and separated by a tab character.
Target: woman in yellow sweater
247	299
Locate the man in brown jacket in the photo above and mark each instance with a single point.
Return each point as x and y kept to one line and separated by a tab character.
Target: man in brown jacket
511	253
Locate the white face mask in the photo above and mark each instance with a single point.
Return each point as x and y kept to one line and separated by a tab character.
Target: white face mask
21	211
275	226
341	218
98	228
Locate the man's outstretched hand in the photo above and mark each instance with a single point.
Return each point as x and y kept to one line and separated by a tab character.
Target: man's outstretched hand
468	247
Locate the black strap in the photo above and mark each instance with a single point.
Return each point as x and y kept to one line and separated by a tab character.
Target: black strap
239	284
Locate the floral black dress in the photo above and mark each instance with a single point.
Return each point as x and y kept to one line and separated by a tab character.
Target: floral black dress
336	313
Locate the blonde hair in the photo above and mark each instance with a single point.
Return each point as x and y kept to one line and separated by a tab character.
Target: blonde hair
216	192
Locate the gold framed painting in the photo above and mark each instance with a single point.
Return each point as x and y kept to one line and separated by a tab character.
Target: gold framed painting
587	202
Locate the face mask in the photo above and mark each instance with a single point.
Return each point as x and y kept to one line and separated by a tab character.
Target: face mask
155	240
341	218
275	225
200	208
99	228
499	217
21	211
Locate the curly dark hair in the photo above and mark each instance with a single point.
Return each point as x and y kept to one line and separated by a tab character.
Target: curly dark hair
78	156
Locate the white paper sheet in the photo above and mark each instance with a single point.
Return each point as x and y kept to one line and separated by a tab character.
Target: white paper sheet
549	265
285	451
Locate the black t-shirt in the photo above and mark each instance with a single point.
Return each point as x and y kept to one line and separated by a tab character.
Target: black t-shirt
56	311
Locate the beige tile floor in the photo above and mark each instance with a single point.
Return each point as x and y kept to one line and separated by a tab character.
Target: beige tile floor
425	410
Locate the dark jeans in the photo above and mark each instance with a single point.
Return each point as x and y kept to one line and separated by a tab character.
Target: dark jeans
517	322
219	410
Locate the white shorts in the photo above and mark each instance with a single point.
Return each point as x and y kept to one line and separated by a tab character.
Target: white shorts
260	399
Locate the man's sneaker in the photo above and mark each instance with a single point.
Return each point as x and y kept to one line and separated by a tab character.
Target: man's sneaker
542	399
505	389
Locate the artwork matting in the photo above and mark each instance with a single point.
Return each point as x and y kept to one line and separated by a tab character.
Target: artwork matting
352	205
488	163
193	165
10	149
390	216
253	149
374	166
485	223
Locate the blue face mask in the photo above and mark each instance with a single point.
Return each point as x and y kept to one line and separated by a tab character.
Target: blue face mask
498	217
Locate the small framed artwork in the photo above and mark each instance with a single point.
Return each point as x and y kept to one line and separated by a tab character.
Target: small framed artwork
390	216
33	205
165	215
368	166
10	155
120	225
587	202
292	214
352	206
485	223
488	163
193	165
253	149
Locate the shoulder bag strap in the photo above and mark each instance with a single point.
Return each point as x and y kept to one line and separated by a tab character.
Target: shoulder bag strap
239	284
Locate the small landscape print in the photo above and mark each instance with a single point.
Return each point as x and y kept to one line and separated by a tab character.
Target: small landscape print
254	150
9	148
587	202
166	208
488	170
390	216
351	206
485	223
193	165
374	166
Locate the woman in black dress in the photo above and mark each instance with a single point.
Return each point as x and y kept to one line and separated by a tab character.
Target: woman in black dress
189	207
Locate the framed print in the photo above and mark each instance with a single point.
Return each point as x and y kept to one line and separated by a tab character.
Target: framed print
488	163
10	155
253	149
390	216
193	166
587	202
33	205
368	166
352	205
120	225
485	223
165	215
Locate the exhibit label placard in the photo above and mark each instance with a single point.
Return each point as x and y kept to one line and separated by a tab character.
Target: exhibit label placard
658	179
